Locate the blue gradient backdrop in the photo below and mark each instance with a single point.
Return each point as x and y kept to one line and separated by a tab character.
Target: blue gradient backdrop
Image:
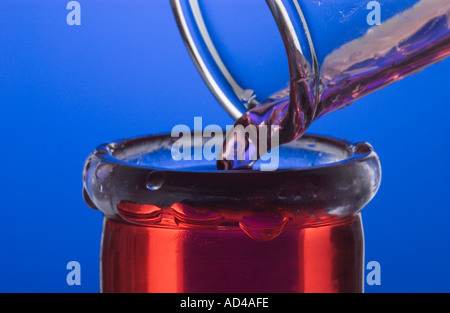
125	72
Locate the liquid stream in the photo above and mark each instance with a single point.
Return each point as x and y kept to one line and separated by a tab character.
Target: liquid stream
385	54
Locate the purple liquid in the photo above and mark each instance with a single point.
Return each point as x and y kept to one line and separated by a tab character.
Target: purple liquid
384	55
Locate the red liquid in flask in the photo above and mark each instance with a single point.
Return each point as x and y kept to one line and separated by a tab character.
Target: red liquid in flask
322	258
286	231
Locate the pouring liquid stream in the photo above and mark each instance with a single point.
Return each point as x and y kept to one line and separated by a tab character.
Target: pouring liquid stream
385	54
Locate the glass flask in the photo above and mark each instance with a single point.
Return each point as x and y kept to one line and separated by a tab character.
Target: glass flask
184	226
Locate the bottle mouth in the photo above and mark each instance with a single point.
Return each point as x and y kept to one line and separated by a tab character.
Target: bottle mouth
156	153
138	179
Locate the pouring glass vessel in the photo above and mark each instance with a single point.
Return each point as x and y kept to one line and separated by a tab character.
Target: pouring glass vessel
332	62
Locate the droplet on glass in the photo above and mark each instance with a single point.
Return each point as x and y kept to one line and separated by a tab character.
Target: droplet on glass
155	180
140	213
190	215
103	170
263	226
362	148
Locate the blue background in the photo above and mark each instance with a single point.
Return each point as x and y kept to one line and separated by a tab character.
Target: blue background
125	72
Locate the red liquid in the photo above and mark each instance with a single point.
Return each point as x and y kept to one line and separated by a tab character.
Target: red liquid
324	258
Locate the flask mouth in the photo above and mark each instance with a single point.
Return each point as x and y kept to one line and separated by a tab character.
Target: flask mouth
318	178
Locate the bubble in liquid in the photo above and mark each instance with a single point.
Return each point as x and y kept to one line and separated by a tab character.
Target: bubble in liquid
263	226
